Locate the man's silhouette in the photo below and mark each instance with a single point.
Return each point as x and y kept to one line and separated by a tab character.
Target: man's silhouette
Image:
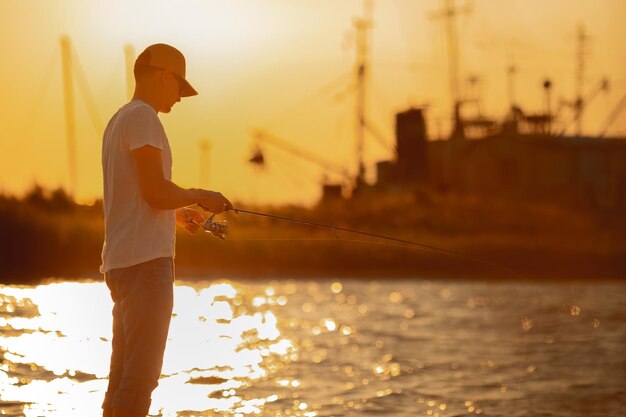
141	207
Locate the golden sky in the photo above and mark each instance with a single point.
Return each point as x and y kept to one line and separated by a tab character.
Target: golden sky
263	63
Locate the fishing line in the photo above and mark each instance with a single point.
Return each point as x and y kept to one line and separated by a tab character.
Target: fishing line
375	235
322	239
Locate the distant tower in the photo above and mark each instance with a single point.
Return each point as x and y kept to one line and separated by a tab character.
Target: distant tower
204	147
70	124
129	55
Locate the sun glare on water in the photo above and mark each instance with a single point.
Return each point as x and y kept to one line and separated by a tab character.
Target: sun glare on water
59	340
293	348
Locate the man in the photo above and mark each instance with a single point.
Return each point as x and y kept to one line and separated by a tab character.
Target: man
141	207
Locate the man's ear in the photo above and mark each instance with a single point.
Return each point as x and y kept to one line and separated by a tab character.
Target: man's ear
163	77
158	78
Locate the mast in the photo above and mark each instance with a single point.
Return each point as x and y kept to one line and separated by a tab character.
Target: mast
449	12
362	26
70	124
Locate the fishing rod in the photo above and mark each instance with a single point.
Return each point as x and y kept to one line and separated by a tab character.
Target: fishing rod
219	229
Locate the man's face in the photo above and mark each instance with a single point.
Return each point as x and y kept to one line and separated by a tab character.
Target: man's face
171	90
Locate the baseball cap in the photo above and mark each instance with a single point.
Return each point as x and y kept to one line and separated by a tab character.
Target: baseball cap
163	56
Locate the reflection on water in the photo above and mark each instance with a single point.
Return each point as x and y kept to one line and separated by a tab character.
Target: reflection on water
294	348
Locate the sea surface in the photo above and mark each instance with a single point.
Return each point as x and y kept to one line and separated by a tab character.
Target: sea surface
331	348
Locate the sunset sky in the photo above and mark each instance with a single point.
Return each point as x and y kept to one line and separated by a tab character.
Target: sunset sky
271	64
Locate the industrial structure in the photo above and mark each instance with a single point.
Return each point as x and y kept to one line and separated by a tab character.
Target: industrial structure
529	157
524	157
512	163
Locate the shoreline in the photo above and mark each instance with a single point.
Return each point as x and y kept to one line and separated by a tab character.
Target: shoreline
593	270
527	242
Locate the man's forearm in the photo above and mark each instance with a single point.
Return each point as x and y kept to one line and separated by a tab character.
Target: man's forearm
170	196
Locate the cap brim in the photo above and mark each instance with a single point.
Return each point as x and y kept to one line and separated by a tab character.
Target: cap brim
187	90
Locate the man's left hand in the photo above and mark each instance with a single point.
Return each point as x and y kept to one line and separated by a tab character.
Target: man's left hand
190	219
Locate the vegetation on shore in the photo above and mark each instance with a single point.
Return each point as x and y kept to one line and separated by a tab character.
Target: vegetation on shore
45	234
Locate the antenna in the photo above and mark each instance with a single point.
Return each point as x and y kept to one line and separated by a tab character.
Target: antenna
70	123
582	40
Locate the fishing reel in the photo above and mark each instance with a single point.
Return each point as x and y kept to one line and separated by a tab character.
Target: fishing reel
217	228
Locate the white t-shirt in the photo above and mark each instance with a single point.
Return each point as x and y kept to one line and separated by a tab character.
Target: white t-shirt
134	232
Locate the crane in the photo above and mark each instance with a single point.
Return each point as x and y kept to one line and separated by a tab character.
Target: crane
261	136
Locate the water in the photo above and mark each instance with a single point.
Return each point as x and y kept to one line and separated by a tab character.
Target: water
331	348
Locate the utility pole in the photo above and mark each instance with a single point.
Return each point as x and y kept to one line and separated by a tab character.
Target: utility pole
362	26
205	160
129	55
473	94
449	12
70	124
581	54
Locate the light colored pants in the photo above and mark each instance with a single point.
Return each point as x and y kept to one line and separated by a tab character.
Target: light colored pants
143	297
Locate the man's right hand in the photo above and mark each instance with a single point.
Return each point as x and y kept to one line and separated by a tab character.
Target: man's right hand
213	201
